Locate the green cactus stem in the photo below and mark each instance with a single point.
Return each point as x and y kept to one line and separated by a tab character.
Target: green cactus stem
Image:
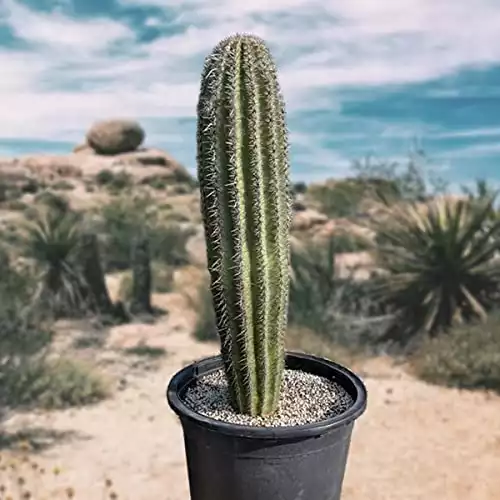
243	170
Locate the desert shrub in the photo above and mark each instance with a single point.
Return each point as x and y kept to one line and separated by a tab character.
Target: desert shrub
205	328
23	334
162	281
63	185
182	176
104	176
144	350
343	198
341	309
177	217
467	356
168	244
303	339
300	187
59	383
411	180
439	264
53	201
180	189
3	191
32	186
350	242
157	181
9	192
114	182
123	219
16	205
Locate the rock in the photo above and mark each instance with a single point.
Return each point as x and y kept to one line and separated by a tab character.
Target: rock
83	149
357	265
150	157
52	166
196	247
306	219
111	137
345	227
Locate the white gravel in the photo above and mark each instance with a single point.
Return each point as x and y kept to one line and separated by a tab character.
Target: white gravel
305	399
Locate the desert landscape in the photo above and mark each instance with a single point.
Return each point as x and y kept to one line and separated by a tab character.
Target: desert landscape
118	438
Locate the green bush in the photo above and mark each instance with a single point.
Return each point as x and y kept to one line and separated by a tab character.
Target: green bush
205	328
122	219
23	336
55	384
300	187
348	242
466	357
343	198
63	185
157	181
162	281
53	201
16	205
341	309
115	182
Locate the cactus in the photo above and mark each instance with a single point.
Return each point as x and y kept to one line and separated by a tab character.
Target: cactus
141	271
243	171
92	271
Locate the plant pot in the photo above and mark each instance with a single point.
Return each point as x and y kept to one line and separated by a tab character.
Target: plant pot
235	462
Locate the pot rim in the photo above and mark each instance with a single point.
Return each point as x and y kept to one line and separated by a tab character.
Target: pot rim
351	382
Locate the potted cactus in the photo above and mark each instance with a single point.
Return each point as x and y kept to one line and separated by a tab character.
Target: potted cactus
259	423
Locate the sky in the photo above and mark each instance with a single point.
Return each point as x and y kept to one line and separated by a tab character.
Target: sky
360	77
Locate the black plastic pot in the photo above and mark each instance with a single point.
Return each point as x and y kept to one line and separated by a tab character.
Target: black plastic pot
234	462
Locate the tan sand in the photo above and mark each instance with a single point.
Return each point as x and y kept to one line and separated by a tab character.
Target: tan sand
415	441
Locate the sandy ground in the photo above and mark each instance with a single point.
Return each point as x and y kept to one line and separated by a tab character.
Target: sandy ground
414	442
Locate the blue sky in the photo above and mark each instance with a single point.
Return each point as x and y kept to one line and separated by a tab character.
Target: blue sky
359	76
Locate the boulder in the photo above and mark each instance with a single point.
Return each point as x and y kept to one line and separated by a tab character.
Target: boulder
111	137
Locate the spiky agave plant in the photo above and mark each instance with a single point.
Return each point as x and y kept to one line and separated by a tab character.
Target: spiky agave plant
441	260
243	170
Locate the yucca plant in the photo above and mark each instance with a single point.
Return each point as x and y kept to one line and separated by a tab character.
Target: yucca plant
51	240
243	170
441	265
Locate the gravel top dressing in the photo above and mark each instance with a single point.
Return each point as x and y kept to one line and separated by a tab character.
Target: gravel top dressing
305	399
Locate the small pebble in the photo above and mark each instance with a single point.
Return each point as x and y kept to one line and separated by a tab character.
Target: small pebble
305	399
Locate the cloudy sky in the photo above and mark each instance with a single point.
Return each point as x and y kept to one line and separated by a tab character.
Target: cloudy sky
359	76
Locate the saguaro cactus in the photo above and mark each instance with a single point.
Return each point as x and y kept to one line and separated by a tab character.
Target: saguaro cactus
243	170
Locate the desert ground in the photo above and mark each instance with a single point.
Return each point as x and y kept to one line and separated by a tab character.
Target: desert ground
414	442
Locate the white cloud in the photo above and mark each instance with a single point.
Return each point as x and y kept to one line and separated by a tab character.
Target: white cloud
68	77
60	32
469	133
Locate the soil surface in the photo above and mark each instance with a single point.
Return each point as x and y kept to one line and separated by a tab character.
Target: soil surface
415	442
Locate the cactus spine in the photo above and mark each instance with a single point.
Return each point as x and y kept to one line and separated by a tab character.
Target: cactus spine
243	170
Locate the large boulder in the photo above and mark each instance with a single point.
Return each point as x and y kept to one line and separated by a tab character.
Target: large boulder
111	137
